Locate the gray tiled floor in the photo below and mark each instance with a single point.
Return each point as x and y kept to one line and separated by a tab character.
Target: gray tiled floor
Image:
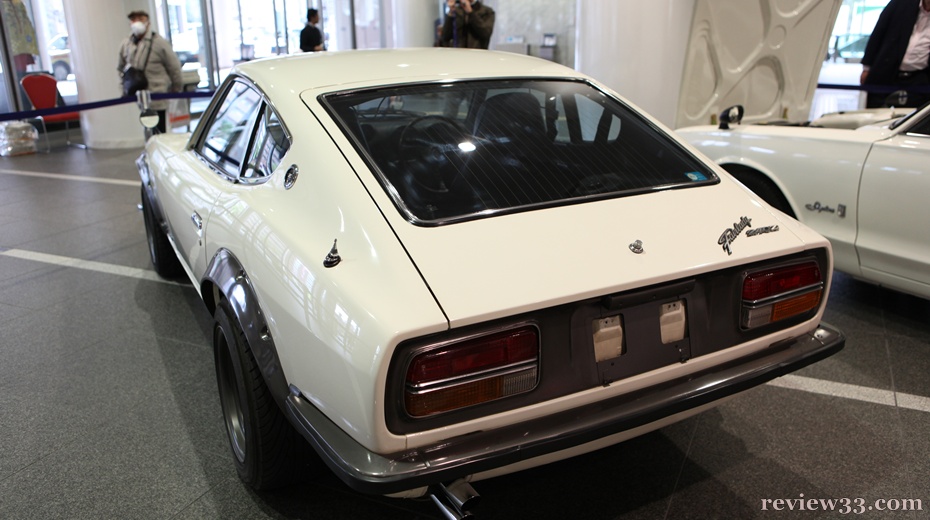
108	405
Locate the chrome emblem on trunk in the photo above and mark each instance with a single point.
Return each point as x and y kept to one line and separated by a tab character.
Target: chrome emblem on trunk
731	234
761	231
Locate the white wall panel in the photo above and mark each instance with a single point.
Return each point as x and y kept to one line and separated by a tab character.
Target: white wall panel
636	48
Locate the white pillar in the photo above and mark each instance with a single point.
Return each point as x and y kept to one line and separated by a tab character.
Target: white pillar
637	48
96	29
414	22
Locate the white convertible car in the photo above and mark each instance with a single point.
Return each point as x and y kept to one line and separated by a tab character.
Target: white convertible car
865	188
436	266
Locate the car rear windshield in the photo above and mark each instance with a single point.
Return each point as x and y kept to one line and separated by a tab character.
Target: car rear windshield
451	151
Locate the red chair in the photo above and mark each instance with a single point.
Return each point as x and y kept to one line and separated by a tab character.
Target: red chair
42	90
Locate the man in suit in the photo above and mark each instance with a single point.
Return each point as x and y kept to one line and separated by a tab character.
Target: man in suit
897	51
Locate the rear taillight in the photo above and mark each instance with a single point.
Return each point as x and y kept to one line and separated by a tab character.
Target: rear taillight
473	371
770	295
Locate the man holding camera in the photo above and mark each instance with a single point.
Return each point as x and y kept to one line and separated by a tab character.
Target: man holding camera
468	24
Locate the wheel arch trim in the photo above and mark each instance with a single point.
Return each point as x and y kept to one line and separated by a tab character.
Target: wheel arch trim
149	192
148	188
226	279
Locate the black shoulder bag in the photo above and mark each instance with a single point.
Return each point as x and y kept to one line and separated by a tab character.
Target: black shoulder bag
134	79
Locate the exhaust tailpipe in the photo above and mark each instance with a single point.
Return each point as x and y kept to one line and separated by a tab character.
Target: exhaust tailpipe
455	499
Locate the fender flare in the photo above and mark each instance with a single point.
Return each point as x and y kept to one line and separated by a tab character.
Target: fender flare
148	191
225	278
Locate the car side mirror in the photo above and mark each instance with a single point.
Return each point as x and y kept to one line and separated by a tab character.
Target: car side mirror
733	114
149	118
898	98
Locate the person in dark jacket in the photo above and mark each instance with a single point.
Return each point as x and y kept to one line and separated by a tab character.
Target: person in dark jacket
468	24
311	39
897	52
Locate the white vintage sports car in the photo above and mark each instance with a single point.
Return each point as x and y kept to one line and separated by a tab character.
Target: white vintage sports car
438	265
865	187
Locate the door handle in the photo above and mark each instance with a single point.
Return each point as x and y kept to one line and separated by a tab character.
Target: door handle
198	222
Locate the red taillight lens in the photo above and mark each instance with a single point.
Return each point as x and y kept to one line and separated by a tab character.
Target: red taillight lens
474	355
473	371
777	294
766	284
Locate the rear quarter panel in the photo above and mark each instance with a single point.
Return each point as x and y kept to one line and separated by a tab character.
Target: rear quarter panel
334	328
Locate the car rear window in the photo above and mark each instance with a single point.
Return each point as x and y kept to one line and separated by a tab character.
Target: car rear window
450	151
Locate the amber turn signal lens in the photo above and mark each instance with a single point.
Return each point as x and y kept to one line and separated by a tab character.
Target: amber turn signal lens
473	371
771	295
797	305
471	393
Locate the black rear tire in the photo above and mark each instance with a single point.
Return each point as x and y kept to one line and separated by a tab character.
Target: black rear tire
264	445
164	260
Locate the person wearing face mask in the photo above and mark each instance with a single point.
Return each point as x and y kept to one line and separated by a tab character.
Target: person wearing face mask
145	50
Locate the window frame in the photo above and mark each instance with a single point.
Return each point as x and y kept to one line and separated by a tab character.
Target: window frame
920	128
198	139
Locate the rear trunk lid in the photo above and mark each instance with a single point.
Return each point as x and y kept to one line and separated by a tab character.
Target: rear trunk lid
503	265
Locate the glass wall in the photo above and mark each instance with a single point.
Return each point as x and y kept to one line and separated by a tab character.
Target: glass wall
854	24
841	66
338	29
368	23
209	36
235	31
29	46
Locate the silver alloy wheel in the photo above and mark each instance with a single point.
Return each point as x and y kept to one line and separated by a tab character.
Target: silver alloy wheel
230	398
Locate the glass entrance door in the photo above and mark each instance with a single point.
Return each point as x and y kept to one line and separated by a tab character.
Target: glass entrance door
290	18
258	18
236	30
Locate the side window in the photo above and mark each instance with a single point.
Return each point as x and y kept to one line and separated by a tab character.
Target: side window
596	123
271	144
227	136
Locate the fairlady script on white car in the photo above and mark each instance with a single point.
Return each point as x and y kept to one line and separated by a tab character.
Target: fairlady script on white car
437	266
863	186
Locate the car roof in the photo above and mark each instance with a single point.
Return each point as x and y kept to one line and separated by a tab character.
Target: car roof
359	68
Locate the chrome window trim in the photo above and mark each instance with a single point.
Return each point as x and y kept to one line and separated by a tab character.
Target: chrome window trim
755	304
196	142
476	376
